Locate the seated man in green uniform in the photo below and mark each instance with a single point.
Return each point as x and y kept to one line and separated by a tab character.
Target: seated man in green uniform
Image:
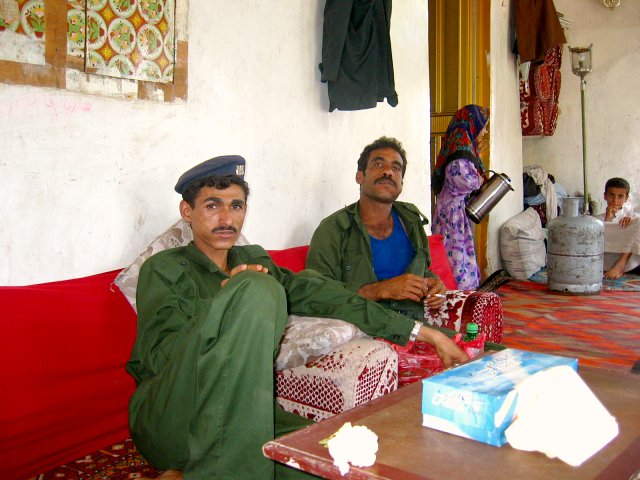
377	246
210	319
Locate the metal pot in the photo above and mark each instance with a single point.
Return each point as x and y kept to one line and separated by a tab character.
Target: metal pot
490	193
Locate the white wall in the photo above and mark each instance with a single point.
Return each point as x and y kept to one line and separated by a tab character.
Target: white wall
506	136
88	181
612	96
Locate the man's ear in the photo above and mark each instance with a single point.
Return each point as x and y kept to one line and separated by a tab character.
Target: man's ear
185	211
359	177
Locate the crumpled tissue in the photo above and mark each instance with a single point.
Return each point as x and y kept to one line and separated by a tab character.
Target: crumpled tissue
559	415
352	445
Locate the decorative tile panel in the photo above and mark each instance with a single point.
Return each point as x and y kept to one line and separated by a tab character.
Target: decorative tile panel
9	15
76	28
22	29
23	16
131	39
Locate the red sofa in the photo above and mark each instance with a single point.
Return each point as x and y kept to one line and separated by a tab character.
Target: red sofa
63	346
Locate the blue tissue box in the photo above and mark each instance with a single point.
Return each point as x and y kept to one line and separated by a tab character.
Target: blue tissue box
478	400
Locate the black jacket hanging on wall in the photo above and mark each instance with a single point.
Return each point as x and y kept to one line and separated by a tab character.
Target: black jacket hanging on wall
356	54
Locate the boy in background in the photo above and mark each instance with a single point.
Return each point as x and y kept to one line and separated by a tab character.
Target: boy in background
621	230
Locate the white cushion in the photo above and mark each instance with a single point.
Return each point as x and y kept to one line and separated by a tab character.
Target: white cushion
522	244
307	338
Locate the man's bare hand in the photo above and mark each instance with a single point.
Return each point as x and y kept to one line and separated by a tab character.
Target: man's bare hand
242	268
447	350
403	287
435	293
610	213
625	221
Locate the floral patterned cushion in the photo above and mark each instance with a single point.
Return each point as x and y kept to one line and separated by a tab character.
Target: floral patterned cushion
465	306
350	375
307	338
177	235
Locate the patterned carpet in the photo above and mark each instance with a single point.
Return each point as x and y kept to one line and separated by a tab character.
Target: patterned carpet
600	330
121	461
626	283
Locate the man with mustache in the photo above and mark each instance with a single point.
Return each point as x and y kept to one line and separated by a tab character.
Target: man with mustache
210	319
377	246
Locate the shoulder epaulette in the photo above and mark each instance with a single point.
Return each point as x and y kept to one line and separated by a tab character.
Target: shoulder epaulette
413	209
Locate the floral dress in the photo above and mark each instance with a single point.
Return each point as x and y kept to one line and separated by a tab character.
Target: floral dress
451	221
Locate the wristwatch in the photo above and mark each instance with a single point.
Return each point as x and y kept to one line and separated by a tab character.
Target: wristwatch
416	330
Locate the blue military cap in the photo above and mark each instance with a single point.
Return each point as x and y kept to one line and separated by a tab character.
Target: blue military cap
223	165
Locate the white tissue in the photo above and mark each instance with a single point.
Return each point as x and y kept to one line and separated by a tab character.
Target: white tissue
356	445
559	415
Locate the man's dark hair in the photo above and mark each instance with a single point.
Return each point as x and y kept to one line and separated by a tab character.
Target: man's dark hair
382	142
219	182
617	182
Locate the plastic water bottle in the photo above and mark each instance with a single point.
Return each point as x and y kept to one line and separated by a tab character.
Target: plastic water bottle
472	332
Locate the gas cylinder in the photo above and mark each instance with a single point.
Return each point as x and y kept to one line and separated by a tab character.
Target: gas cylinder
575	251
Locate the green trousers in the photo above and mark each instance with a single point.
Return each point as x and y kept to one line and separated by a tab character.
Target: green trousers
210	410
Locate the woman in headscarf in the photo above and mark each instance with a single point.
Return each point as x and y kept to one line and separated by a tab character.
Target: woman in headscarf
458	172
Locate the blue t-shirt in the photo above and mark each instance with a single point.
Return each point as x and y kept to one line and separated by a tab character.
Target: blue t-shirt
392	256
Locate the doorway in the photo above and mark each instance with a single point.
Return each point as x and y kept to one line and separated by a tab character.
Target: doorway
459	34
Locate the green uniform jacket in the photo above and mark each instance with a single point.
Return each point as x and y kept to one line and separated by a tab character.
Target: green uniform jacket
340	249
176	287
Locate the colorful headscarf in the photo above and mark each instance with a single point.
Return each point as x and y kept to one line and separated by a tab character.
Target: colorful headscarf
460	141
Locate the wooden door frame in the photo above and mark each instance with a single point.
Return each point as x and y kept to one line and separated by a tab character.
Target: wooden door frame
471	48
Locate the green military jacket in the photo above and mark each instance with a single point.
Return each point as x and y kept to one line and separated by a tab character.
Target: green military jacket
176	286
340	249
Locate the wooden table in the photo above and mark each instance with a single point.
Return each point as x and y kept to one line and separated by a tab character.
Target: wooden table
407	450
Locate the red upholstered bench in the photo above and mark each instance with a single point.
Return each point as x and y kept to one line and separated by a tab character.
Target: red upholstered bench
63	347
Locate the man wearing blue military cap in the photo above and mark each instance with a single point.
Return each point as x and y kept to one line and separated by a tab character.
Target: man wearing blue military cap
232	165
210	319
